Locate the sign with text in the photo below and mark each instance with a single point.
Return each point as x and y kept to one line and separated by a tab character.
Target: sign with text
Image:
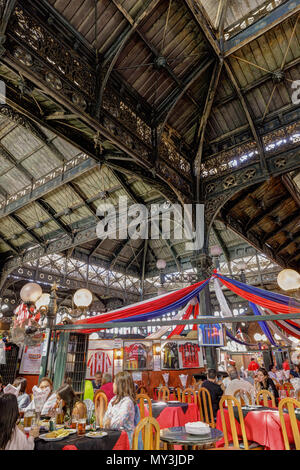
31	360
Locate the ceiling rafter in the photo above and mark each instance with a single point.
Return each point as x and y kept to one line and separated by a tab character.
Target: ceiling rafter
265	213
52	214
30	232
134	25
293	218
10	158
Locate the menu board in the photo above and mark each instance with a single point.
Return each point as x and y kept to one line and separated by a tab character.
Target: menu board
31	360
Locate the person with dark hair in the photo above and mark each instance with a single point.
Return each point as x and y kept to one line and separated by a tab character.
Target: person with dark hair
69	402
23	398
11	436
295	372
121	410
253	365
214	389
262	381
272	372
97	381
1	384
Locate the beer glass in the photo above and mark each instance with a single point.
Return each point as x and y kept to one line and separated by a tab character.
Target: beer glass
81	424
28	417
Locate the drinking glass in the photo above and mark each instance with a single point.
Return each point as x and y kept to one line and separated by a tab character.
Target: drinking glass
60	417
81	424
28	417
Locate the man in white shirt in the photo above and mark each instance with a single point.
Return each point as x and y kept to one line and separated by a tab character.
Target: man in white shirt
236	383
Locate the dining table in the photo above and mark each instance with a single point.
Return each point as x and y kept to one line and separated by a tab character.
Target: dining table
177	436
113	440
173	413
262	425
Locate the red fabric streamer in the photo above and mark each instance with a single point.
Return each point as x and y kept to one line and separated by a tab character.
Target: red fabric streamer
179	328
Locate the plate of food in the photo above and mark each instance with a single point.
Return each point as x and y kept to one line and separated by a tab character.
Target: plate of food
57	435
96	434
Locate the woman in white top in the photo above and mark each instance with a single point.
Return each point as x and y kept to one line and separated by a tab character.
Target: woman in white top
51	399
120	413
11	436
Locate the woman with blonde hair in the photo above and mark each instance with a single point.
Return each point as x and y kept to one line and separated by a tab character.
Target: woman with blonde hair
120	413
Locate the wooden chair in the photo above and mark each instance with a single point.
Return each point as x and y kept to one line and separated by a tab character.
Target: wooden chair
266	397
230	402
142	389
241	394
186	396
290	404
287	386
141	401
151	434
179	393
100	407
205	407
298	395
164	394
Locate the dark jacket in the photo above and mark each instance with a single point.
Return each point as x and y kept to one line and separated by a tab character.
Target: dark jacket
215	393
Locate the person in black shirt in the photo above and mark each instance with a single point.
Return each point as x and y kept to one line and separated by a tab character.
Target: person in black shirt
214	389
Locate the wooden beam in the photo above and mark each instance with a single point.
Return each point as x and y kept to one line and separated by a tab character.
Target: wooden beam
248	115
203	121
134	25
52	214
256	220
30	232
285	224
10	158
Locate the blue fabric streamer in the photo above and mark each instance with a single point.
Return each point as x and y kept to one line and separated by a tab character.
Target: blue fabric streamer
262	324
279	298
237	340
169	308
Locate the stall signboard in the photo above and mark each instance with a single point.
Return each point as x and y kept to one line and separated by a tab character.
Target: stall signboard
190	354
31	360
138	355
100	358
211	334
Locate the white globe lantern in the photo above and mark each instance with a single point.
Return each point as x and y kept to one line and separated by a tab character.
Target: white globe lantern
31	292
82	298
288	279
257	337
43	301
161	264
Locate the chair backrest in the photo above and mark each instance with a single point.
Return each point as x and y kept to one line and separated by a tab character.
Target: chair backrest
205	407
187	395
179	393
298	395
142	389
164	394
266	397
243	396
100	407
231	401
151	434
290	404
141	401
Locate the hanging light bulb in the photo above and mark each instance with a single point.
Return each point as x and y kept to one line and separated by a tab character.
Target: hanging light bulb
31	292
276	336
257	337
161	264
288	279
82	298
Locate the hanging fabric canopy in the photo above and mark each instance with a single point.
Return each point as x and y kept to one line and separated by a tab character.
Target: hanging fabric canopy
156	307
148	309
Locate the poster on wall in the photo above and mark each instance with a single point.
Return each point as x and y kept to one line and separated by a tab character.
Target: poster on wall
31	360
211	334
190	355
138	355
100	358
169	355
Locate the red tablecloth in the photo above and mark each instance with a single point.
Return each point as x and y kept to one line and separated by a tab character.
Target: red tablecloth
172	417
262	427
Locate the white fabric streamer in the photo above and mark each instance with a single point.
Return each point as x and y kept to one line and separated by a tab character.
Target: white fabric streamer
274	327
158	334
225	310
